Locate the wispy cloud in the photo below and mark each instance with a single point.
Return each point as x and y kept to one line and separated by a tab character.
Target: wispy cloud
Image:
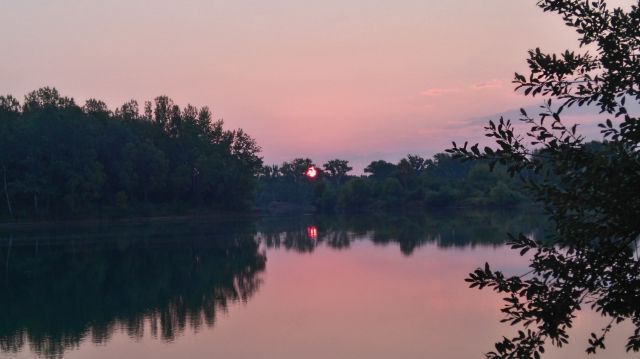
491	84
438	91
487	85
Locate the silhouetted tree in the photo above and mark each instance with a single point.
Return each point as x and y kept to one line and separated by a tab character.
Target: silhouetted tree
337	170
417	163
590	192
296	169
380	169
57	157
425	183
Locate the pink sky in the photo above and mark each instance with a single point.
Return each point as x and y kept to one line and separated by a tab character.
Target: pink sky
354	79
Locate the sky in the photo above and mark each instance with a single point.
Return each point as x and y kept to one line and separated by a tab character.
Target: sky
353	79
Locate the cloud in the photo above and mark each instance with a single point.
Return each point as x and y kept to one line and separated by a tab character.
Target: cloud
439	91
491	84
436	91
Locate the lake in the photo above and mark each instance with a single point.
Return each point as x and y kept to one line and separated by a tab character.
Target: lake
384	286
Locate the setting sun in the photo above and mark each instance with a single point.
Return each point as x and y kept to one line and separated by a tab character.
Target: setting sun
311	172
167	168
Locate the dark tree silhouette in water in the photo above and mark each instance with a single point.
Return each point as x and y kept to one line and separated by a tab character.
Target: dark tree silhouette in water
590	192
160	278
446	229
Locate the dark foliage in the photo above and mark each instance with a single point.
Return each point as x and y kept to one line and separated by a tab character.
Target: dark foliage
59	158
407	231
589	191
67	284
412	183
63	285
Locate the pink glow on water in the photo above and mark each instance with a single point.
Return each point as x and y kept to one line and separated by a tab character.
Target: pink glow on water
367	302
312	232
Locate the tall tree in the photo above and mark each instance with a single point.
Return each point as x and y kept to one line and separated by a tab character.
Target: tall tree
590	193
337	169
380	169
9	113
417	163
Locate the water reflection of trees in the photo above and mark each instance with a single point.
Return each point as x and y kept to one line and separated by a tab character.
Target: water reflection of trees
62	286
74	285
408	231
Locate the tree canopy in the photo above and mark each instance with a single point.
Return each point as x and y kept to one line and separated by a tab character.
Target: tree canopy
59	157
590	192
414	182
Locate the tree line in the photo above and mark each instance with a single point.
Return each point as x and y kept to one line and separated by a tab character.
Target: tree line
413	182
60	158
57	157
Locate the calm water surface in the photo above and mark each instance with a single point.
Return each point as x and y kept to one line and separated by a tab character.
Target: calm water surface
309	287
